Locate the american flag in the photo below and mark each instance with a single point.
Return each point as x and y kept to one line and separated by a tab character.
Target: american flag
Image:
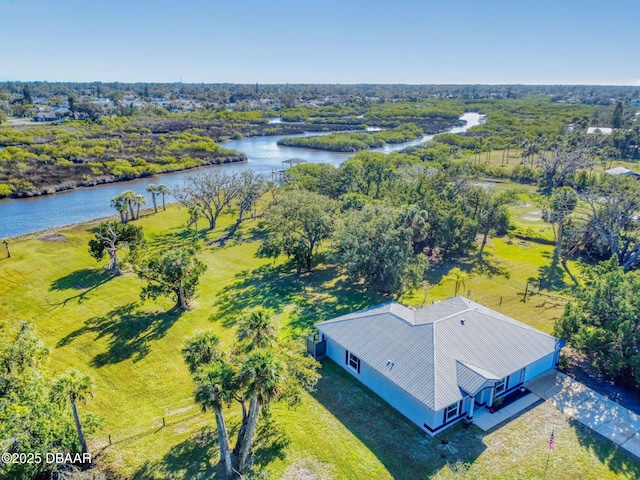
552	442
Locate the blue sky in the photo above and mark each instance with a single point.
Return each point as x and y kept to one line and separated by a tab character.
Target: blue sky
325	41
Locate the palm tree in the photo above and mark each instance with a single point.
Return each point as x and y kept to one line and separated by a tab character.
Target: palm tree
459	278
120	203
256	329
138	201
163	190
262	373
201	349
213	384
73	386
129	197
153	190
195	213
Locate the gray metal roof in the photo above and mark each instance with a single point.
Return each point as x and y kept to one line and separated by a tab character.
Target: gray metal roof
621	171
434	352
472	379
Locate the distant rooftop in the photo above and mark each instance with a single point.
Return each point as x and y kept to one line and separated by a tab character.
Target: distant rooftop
622	171
600	130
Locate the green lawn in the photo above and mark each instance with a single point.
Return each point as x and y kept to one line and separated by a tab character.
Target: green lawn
132	351
499	158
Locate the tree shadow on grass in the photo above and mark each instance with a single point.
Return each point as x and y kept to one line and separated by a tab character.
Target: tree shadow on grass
486	264
316	296
128	331
196	457
171	239
270	443
614	457
551	277
405	451
481	264
85	280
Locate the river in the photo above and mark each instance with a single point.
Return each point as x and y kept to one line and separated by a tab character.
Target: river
27	215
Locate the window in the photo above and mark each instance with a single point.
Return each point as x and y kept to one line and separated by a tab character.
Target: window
501	386
451	411
353	361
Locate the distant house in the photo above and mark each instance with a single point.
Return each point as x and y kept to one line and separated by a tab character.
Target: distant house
622	171
439	364
599	131
81	116
45	117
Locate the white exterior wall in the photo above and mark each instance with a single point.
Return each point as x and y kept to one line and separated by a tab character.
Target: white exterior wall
407	405
539	366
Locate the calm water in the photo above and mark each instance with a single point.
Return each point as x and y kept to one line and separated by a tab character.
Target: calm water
20	216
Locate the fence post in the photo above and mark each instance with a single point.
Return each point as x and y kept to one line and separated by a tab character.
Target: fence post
500	300
526	290
110	440
540	285
164	424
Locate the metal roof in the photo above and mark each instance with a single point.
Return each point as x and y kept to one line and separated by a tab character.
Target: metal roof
621	171
434	352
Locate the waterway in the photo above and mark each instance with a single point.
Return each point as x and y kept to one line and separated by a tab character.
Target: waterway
27	215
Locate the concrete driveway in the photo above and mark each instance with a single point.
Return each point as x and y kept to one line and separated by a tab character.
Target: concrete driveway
602	415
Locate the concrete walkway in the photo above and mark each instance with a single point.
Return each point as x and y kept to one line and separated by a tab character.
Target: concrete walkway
486	420
597	412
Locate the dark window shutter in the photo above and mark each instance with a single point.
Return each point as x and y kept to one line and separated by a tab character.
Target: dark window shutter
358	365
346	357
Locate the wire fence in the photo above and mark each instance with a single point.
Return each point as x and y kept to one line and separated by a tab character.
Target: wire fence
172	418
520	293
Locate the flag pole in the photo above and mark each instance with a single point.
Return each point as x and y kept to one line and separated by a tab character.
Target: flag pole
547	464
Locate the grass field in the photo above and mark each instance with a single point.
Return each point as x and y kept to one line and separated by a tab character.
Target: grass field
342	431
499	157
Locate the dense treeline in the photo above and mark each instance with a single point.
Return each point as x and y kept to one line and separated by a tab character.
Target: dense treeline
290	94
603	321
35	418
130	143
413	212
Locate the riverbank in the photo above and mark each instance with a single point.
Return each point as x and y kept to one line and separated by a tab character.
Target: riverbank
24	215
109	179
41	159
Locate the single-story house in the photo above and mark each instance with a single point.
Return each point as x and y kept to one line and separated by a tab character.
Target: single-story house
622	171
599	131
439	364
45	117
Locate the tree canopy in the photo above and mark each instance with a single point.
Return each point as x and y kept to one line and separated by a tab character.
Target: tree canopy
297	225
375	245
604	321
112	238
32	419
175	273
